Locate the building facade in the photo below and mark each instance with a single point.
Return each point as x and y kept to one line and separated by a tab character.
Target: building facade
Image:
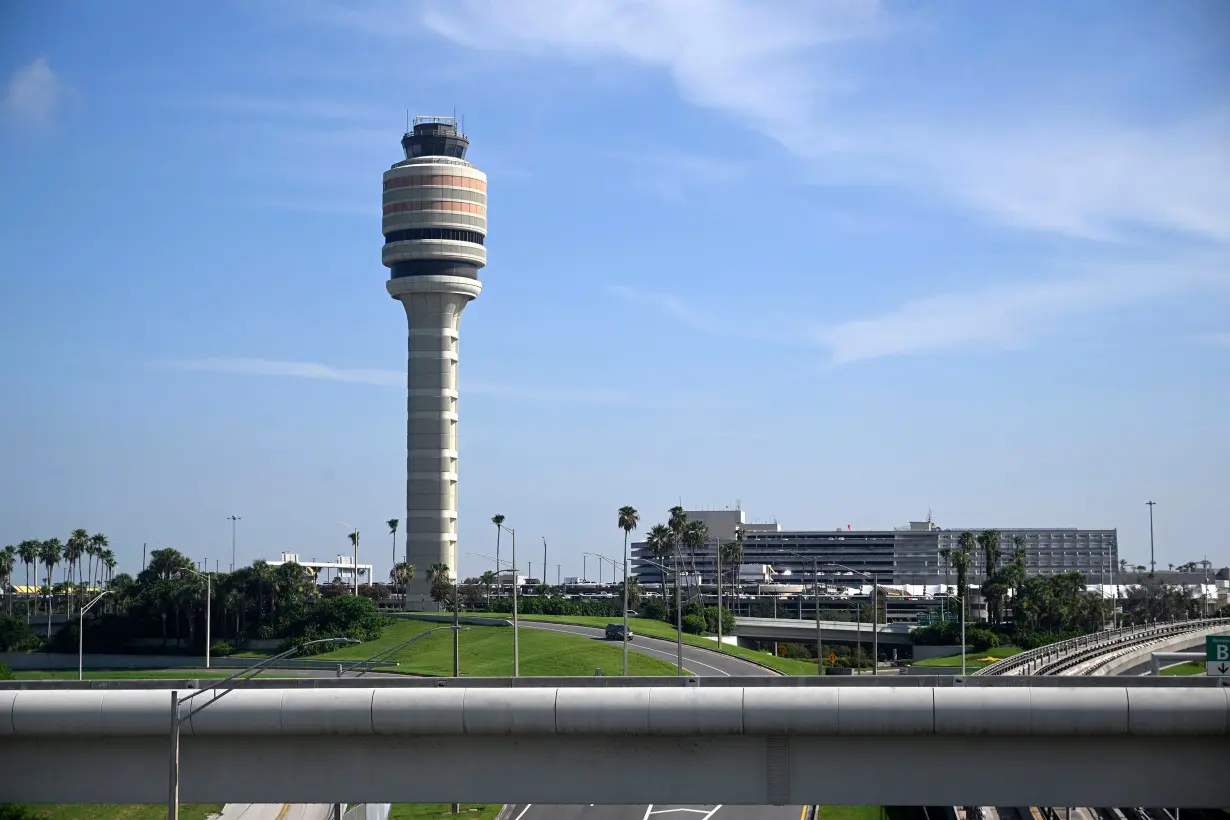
906	555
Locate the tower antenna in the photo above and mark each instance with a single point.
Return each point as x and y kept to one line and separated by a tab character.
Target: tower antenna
407	121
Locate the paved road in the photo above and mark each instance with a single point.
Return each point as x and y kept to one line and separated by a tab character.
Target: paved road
701	662
277	811
655	812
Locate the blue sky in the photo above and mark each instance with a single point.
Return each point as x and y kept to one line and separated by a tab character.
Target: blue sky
838	262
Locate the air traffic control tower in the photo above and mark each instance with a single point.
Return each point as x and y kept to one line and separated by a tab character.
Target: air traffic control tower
435	221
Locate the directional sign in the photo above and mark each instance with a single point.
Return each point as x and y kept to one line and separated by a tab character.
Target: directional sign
1217	655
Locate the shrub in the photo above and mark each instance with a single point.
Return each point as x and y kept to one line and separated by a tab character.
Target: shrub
17	636
265	632
346	616
980	640
5	672
655	609
694	624
222	649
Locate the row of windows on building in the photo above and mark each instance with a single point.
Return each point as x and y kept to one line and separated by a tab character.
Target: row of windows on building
435	205
453	180
411	234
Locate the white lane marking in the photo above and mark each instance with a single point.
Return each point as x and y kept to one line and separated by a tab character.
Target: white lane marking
642	648
716	809
705	812
648	811
523	811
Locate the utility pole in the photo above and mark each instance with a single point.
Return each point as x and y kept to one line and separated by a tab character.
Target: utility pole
1152	563
545	579
233	519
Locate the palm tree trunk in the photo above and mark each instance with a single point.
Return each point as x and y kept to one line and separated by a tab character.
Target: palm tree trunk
29	597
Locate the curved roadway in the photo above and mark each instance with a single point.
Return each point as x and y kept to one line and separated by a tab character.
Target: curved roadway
696	660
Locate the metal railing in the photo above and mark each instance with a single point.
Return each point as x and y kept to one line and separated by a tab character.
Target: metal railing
1062	655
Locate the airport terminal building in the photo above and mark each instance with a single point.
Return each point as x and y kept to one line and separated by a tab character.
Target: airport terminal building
905	555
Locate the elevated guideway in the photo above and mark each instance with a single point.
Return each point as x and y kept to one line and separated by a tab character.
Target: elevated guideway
804	631
1014	743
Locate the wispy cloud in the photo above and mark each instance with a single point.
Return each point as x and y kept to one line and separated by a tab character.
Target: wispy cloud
273	368
781	68
1215	339
1010	316
34	93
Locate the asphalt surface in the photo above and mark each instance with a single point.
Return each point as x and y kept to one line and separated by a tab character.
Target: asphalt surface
700	662
654	812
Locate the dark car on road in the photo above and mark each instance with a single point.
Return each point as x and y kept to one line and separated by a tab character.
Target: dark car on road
615	632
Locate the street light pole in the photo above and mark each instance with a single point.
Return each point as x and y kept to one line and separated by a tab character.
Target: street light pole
678	615
177	719
718	544
208	611
1152	563
81	634
516	635
875	614
233	519
815	569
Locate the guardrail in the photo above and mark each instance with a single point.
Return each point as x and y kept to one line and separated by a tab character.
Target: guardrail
1064	654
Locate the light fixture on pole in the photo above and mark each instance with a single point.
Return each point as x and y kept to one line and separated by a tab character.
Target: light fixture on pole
81	634
208	610
678	615
513	570
177	718
233	519
354	542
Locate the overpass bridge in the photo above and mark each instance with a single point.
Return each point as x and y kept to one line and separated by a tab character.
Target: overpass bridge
1014	741
804	631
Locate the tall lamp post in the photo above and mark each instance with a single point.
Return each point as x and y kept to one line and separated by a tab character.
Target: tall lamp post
233	519
178	718
1152	563
354	542
875	615
208	610
816	597
81	634
678	616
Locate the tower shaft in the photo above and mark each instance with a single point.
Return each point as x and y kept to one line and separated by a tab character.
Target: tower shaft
435	223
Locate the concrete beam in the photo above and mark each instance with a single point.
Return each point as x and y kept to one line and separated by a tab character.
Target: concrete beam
749	746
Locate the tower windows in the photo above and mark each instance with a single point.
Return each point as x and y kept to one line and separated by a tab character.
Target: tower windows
453	234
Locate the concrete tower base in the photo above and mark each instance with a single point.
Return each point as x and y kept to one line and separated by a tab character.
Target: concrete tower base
433	311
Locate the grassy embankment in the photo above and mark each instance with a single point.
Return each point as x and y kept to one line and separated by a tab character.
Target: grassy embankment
442	811
1188	668
133	674
973	660
92	811
661	629
486	651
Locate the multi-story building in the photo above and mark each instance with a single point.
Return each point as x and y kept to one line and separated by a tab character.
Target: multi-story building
906	555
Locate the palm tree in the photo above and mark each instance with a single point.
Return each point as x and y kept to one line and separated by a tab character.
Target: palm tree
661	543
677	522
961	559
107	558
402	574
74	550
498	520
437	577
28	553
98	543
8	561
49	553
695	536
393	522
626	520
488	579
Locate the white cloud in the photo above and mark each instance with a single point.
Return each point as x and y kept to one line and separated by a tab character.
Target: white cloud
1215	339
1010	316
775	67
34	93
393	378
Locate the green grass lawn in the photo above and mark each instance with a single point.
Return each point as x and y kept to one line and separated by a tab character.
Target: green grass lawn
1188	668
849	812
89	811
661	629
486	651
132	674
441	811
973	660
